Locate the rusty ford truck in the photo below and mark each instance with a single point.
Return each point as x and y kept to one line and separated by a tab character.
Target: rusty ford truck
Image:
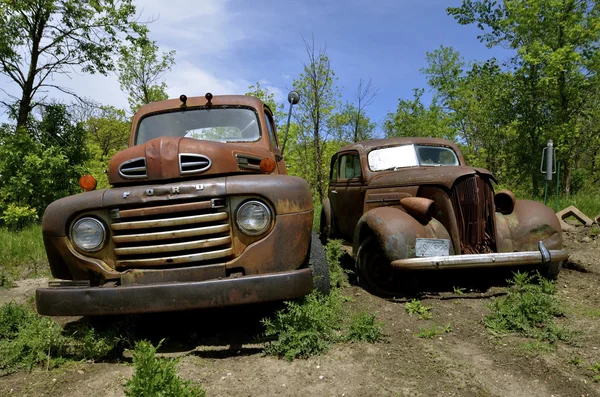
200	214
410	204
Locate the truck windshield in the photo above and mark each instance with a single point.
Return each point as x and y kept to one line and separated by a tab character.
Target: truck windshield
394	157
214	124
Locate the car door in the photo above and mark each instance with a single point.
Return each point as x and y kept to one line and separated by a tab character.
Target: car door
348	194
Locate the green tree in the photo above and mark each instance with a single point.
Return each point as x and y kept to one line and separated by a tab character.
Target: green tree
319	99
555	64
42	38
268	98
141	73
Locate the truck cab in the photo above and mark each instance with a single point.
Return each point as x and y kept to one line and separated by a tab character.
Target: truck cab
201	213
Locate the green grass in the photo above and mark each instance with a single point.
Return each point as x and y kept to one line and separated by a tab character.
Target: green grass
28	340
157	377
337	275
416	307
23	254
528	309
595	368
586	201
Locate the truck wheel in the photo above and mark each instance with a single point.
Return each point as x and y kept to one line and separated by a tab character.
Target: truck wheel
373	270
551	271
318	264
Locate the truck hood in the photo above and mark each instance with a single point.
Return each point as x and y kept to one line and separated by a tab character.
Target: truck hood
171	158
417	176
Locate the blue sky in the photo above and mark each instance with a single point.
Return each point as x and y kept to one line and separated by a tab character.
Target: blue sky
224	46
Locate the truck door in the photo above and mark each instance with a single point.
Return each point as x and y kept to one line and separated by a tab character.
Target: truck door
348	194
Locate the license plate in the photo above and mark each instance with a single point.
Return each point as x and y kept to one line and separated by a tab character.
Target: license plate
432	247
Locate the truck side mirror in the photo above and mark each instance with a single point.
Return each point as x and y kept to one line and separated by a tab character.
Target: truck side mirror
293	99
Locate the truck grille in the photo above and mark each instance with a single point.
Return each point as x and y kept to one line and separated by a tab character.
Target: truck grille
172	235
191	163
133	169
473	202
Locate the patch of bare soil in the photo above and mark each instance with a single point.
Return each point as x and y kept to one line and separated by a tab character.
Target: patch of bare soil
222	350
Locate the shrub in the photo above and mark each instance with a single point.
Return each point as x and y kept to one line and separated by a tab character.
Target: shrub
430	333
157	377
364	327
416	307
306	327
528	309
17	217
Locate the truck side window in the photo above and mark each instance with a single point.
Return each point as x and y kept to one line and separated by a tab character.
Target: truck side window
271	131
350	167
333	172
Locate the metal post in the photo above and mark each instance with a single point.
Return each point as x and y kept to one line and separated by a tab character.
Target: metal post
557	185
548	154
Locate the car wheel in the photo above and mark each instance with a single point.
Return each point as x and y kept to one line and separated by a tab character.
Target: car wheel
373	269
551	270
320	267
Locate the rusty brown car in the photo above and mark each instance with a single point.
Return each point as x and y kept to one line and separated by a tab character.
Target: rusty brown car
410	204
200	214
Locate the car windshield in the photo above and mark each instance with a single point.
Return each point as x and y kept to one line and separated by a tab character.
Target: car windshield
394	157
214	124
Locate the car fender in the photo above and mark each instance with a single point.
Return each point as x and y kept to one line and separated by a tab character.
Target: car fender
325	218
529	223
396	231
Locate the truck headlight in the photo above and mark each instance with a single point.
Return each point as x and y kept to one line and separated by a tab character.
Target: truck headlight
253	218
88	234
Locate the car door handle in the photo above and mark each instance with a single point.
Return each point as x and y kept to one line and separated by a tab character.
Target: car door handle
334	191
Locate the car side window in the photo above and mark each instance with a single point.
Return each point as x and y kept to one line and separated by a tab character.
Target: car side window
333	172
350	167
271	131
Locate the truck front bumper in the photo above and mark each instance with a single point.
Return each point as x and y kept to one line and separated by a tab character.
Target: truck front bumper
531	258
175	296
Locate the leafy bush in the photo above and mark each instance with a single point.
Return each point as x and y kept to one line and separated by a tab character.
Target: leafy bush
27	339
416	307
157	377
306	327
334	253
528	309
364	327
23	253
17	217
5	281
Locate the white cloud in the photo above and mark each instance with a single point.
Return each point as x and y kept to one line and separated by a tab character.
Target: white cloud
185	78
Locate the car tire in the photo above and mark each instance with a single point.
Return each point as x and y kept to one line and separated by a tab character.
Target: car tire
373	270
320	267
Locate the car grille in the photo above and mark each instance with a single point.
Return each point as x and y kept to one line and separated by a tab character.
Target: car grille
473	202
172	235
133	169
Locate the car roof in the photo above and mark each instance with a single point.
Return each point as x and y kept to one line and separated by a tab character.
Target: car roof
368	145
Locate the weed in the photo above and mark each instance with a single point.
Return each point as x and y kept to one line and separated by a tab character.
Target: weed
595	368
334	252
157	377
528	309
537	346
306	327
365	327
27	339
5	281
435	330
458	290
594	232
576	361
416	307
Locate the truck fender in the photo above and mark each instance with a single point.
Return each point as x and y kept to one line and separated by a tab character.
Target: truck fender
325	222
396	231
529	223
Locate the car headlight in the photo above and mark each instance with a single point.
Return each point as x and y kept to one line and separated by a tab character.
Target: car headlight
253	218
88	234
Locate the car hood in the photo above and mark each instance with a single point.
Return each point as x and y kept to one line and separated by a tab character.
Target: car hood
416	176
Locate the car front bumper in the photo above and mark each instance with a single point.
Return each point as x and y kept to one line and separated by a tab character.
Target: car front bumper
175	296
524	258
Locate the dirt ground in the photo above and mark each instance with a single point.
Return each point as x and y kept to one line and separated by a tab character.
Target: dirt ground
222	350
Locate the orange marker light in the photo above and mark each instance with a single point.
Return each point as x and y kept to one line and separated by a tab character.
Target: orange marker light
267	165
87	182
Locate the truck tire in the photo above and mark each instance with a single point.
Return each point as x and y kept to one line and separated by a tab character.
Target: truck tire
318	264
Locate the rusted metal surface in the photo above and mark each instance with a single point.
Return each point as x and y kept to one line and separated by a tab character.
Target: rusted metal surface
505	201
184	274
420	208
171	209
153	298
420	176
478	260
472	199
